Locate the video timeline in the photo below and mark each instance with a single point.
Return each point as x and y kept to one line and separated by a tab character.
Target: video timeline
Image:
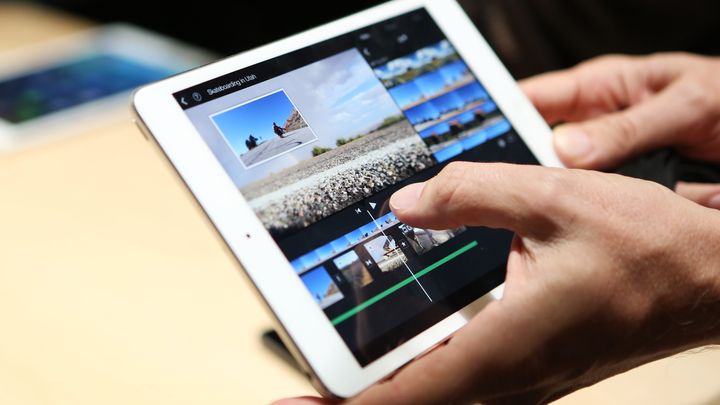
366	255
442	99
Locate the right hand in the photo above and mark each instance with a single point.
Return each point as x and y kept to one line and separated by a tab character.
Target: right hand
606	273
616	107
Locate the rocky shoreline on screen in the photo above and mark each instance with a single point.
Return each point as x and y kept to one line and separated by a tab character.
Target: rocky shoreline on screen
314	189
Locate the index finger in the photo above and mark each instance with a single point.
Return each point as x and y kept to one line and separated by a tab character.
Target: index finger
521	198
602	85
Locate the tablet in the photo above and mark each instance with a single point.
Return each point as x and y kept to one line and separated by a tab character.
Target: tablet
294	149
82	79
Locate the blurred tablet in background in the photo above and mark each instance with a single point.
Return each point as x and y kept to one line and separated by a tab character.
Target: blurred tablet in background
82	80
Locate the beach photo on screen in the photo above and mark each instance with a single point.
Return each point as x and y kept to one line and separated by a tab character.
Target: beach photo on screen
407	68
466	129
263	128
447	132
424	240
353	269
407	95
322	287
385	252
447	106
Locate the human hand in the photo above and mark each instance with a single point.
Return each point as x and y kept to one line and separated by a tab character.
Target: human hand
605	273
616	107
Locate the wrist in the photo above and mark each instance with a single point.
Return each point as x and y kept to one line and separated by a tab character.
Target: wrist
711	269
682	310
700	314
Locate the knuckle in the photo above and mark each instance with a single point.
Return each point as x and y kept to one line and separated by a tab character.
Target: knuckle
549	201
450	179
554	193
605	61
456	169
662	58
619	216
701	99
578	200
623	130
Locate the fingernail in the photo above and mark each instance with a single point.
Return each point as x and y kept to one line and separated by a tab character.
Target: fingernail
714	202
572	143
406	197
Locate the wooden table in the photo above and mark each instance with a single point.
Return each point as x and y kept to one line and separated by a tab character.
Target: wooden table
114	289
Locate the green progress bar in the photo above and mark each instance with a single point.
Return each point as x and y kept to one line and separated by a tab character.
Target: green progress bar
352	312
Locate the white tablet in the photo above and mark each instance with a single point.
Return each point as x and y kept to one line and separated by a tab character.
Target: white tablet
81	80
293	150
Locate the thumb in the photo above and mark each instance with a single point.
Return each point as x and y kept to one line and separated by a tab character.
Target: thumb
496	195
664	119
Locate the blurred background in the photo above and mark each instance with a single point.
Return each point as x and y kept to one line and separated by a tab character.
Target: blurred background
114	288
531	36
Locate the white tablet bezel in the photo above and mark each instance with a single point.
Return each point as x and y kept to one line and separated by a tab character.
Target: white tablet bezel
323	352
116	39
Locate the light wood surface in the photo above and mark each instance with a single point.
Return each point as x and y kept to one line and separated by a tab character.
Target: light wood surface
114	290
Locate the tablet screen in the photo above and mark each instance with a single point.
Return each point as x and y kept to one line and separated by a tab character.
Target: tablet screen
71	83
317	141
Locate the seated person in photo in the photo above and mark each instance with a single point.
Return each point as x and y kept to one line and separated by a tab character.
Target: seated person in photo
279	131
251	142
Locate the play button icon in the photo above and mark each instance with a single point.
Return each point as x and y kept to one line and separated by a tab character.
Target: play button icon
372	205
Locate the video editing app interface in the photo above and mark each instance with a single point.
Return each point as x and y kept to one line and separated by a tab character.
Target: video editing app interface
318	140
